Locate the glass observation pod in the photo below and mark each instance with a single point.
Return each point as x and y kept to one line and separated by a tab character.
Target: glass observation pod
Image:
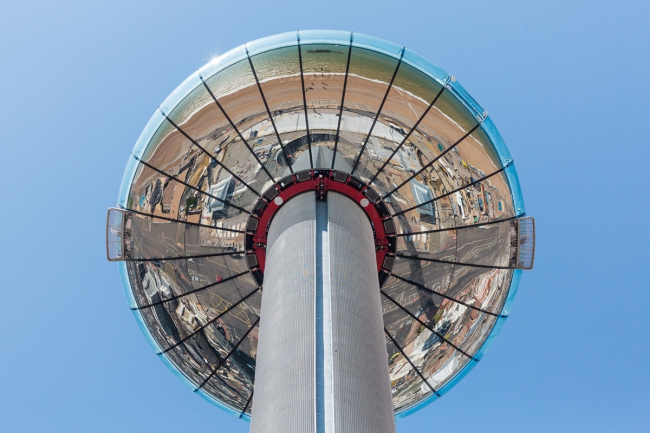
288	110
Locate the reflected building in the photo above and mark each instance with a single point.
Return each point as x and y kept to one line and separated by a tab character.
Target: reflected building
326	219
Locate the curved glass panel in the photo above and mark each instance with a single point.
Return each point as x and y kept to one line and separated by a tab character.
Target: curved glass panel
517	198
279	74
223	61
368	84
425	66
324	70
390	153
378	45
127	179
405	378
269	43
180	92
334	37
147	133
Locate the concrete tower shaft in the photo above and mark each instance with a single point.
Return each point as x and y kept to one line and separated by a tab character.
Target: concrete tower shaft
321	364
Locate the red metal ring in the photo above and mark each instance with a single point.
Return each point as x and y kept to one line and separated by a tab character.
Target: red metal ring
320	181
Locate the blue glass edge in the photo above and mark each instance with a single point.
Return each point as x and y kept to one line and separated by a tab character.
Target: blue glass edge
145	331
424	403
281	40
490	339
417	61
459	376
497	141
515	189
442	391
192	386
147	133
222	62
466	99
514	286
126	284
127	180
506	160
165	360
335	37
180	92
382	46
217	403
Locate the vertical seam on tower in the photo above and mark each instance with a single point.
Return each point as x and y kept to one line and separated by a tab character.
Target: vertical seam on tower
319	375
327	294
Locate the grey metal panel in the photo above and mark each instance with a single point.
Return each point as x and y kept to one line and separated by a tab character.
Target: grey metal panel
362	392
284	376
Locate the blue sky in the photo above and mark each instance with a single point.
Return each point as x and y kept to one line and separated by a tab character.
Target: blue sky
565	82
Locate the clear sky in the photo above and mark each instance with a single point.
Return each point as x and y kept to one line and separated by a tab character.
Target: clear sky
566	82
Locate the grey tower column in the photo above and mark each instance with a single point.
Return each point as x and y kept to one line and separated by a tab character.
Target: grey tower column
322	363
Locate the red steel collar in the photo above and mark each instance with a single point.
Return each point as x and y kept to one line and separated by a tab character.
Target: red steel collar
321	181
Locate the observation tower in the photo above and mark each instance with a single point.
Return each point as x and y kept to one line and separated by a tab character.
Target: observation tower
320	231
